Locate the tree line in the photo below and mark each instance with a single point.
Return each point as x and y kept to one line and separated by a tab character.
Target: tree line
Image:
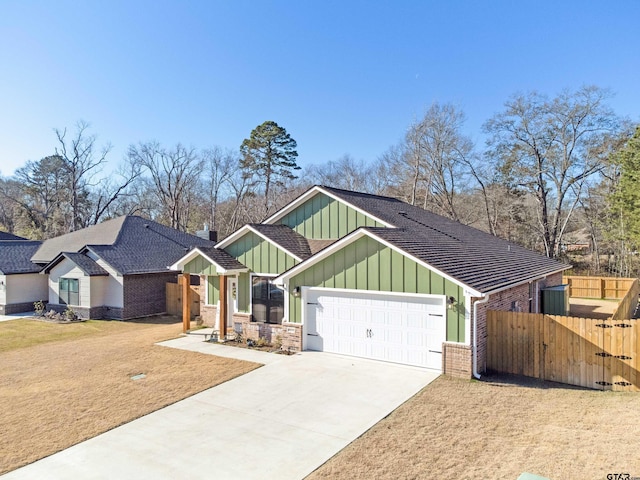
556	174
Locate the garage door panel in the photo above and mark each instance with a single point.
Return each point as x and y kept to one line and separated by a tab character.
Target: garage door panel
385	327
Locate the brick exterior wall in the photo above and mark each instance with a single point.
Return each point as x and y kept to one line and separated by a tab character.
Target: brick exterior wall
289	334
16	308
145	294
86	313
457	360
513	299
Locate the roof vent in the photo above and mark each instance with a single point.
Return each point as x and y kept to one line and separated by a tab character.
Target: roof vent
146	225
404	214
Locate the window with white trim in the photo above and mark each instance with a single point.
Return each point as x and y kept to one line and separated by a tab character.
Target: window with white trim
69	291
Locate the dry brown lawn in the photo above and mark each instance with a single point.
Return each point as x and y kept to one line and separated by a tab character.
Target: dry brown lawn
62	384
498	429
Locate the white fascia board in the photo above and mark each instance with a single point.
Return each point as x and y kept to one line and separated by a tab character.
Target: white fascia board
248	228
353	236
522	282
180	264
89	249
311	193
233	237
279	280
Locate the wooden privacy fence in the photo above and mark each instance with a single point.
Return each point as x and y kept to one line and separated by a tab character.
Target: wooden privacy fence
598	287
627	306
600	354
174	299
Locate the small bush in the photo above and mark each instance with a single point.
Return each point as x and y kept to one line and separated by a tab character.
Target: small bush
38	307
70	315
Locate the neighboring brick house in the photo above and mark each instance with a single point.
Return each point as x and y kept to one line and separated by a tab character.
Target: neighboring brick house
117	269
370	276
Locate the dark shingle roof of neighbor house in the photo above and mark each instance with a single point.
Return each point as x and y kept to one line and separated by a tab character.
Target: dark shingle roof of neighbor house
222	258
15	256
129	244
475	258
10	236
285	237
82	261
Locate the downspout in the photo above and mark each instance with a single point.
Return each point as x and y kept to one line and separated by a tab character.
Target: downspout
485	299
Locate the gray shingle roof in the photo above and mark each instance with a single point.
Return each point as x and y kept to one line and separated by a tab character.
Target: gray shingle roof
129	244
10	236
104	233
222	258
82	261
473	257
15	256
285	237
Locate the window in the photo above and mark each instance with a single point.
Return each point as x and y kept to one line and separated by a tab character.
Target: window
69	291
267	301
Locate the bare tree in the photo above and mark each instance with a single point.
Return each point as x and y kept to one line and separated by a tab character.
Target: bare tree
175	175
81	163
346	173
219	166
430	164
108	195
550	148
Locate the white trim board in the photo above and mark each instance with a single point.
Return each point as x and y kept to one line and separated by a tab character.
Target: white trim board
352	237
312	193
248	228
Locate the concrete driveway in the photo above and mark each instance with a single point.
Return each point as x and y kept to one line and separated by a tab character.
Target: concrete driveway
282	421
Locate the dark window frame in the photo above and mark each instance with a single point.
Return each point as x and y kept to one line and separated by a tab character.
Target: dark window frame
266	307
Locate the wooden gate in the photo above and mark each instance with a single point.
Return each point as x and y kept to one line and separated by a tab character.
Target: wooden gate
174	299
600	354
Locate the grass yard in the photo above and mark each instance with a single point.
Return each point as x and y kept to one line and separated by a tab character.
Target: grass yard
62	384
497	429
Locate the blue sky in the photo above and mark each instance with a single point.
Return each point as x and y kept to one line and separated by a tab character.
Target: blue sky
343	77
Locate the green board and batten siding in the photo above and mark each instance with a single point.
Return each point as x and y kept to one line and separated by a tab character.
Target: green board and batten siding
368	265
213	291
201	266
259	255
323	218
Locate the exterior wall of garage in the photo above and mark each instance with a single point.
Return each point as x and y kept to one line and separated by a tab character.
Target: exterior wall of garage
323	218
366	264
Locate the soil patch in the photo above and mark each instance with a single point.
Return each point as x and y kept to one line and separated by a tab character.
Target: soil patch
498	428
62	384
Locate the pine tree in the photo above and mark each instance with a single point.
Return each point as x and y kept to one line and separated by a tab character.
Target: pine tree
269	156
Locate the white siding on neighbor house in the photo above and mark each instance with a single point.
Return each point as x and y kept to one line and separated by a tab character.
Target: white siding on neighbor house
108	289
3	289
68	269
27	287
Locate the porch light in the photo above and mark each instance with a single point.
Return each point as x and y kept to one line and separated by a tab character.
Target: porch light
296	292
450	302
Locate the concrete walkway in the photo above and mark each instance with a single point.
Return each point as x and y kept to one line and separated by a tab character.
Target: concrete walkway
16	316
282	420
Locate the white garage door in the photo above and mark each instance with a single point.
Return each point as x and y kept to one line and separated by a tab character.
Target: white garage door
381	326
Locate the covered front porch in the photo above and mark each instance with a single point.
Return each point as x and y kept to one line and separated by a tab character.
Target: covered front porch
235	301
